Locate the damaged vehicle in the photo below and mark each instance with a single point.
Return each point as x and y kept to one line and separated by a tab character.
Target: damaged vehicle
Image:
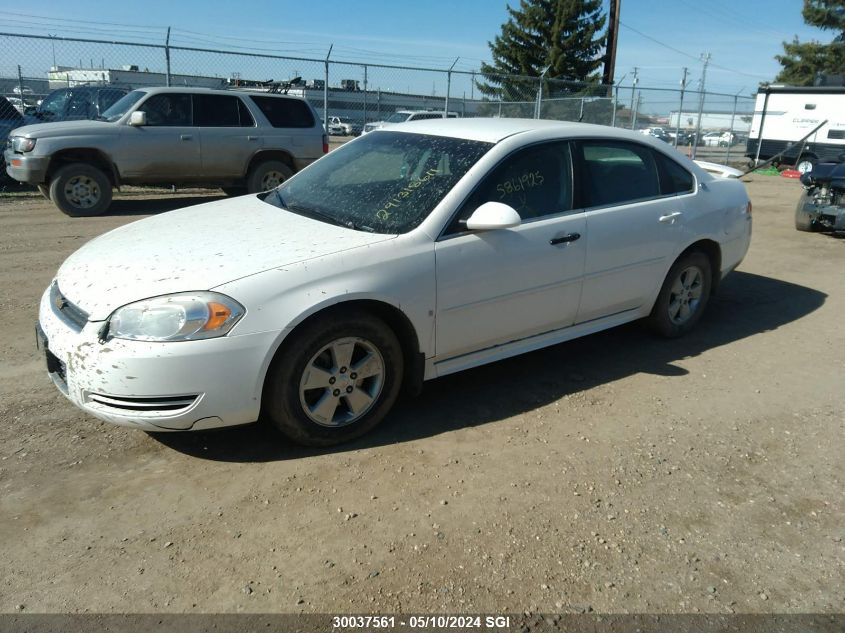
822	207
405	255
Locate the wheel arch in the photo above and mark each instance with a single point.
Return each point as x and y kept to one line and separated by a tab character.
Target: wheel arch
392	315
270	154
87	155
713	250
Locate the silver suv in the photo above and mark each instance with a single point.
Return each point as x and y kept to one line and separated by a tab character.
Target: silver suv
240	141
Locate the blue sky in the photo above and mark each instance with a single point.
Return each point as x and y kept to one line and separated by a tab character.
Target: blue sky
658	37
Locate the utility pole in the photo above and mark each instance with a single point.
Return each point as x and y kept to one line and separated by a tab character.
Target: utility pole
449	87
633	90
326	92
612	37
681	106
53	43
167	58
706	59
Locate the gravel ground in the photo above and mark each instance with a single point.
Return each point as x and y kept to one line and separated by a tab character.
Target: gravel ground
616	473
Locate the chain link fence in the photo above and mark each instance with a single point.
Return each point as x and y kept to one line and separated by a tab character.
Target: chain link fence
705	125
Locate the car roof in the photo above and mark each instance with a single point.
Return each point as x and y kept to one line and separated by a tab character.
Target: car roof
217	91
493	130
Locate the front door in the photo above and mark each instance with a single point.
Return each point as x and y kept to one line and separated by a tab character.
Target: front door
167	148
502	285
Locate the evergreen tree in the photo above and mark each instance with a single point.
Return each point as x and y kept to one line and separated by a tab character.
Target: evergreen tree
565	35
802	61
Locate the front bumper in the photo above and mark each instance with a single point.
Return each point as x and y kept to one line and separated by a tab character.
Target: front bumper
825	217
25	167
156	386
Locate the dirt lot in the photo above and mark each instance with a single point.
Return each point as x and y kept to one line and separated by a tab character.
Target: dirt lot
619	473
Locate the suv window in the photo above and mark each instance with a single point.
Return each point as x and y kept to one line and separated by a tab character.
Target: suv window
168	109
79	104
536	181
282	112
106	98
220	111
616	172
54	103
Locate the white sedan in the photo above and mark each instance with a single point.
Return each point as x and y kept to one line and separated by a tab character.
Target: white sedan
404	255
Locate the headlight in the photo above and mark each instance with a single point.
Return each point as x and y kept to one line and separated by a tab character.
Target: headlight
187	316
23	144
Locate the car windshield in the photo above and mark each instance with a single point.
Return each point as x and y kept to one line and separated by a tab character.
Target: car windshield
398	117
121	106
54	102
387	182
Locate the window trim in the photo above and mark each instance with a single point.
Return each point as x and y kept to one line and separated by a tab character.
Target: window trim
581	185
443	235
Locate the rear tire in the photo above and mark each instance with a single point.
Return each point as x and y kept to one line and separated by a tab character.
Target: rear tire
683	296
267	175
313	393
80	190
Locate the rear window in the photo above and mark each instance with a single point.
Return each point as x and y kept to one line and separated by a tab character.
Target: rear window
282	112
674	179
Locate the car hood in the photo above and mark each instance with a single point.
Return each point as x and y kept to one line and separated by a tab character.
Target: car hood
65	128
197	248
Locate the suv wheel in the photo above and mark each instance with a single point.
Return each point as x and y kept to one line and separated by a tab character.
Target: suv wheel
80	190
267	175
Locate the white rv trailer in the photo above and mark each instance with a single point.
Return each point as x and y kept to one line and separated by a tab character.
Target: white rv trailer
786	114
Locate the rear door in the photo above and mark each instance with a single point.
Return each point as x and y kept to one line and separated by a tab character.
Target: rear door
228	134
635	214
292	127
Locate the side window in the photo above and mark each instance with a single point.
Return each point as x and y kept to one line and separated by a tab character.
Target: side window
244	116
617	172
168	109
79	104
216	111
107	98
285	112
536	181
674	179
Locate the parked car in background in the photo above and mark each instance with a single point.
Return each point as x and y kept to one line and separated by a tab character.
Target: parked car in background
241	142
10	119
405	255
712	139
344	126
404	116
76	103
658	133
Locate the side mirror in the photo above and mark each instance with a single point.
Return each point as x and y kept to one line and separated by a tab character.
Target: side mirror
493	215
138	118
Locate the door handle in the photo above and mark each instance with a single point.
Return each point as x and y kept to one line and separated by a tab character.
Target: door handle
252	138
563	239
185	137
670	218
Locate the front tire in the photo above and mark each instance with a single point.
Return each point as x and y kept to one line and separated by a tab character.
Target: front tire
337	379
267	175
683	296
80	190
